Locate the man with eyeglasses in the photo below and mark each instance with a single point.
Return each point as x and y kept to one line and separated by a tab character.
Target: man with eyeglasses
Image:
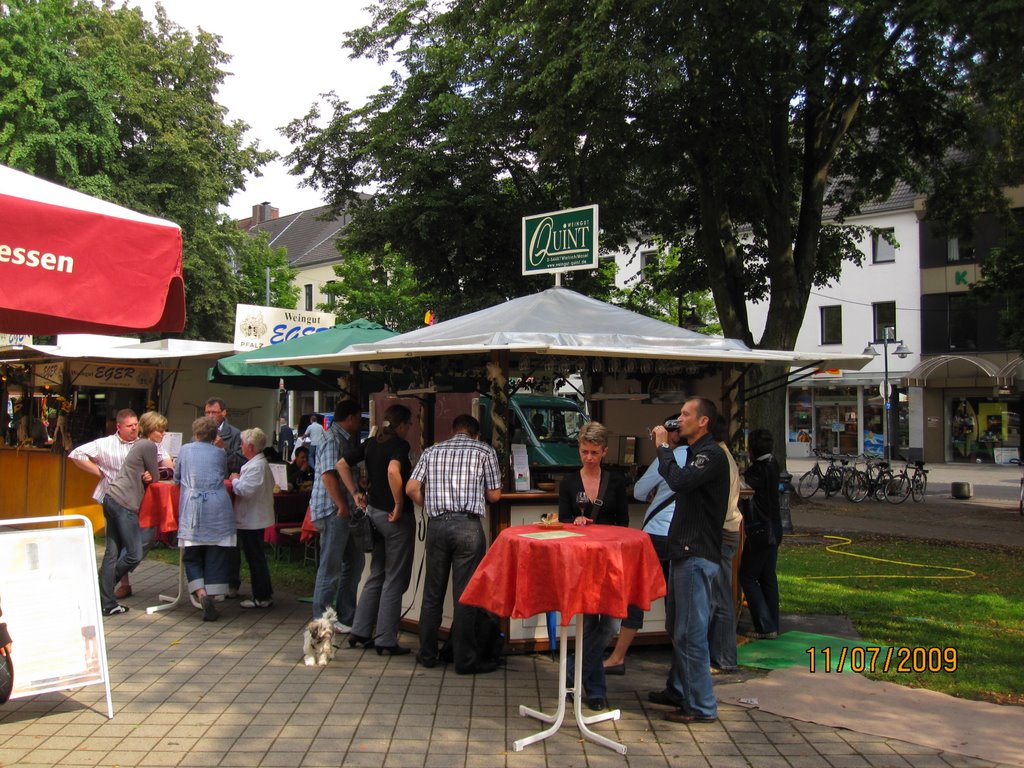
103	458
228	437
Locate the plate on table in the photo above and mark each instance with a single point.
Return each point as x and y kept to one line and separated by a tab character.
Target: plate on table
550	526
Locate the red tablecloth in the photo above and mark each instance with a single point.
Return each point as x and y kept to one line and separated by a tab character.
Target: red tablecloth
598	569
160	507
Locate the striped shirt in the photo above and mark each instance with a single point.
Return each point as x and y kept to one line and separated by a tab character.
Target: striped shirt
108	453
455	475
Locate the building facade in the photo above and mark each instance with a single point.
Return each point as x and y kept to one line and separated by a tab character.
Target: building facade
954	385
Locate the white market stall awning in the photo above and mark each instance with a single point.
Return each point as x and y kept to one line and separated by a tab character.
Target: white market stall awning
561	322
97	347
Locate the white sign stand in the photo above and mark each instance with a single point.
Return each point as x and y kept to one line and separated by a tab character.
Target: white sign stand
51	602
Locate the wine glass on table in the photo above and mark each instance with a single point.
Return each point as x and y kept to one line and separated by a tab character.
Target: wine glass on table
583	504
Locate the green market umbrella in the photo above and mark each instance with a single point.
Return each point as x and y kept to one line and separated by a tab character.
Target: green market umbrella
237	370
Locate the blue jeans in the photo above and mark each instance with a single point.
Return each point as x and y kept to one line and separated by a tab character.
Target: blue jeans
455	545
341	565
380	604
688	611
722	632
124	548
207	566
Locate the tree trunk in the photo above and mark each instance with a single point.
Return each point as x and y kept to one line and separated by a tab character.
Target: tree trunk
768	410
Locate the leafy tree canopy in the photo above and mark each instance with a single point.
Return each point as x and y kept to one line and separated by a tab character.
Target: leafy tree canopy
103	101
383	288
252	257
746	132
736	126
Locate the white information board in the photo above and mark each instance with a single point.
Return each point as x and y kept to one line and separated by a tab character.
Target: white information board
280	473
51	603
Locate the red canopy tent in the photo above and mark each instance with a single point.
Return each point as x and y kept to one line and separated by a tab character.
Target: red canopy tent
71	263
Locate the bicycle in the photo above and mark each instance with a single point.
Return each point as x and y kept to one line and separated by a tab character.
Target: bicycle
918	481
871	481
905	484
829	480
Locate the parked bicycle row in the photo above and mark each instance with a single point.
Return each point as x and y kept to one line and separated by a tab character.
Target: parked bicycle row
861	477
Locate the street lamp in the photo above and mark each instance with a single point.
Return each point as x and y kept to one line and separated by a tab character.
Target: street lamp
900	352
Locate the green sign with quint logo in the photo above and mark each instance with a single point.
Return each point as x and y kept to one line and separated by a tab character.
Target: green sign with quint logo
560	241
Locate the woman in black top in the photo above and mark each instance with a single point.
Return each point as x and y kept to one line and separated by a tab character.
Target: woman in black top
391	511
594	495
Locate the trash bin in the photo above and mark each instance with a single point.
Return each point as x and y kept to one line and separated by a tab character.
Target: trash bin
785	488
961	490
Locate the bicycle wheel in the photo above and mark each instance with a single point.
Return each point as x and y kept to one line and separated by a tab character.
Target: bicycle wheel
856	487
881	482
897	489
808	484
924	483
832	482
917	486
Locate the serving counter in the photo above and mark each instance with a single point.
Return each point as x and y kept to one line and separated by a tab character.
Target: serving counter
30	486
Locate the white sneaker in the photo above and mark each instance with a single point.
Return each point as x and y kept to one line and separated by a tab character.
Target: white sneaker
342	629
254	603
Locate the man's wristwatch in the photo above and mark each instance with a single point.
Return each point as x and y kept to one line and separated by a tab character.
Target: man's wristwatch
664	445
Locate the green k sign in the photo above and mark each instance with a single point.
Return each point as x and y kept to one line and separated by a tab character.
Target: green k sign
560	241
960	278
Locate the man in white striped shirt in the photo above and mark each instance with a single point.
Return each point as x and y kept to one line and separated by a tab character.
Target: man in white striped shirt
103	458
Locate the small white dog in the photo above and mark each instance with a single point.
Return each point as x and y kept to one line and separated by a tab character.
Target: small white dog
317	647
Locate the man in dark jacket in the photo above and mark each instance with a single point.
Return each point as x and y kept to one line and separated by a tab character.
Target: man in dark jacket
694	547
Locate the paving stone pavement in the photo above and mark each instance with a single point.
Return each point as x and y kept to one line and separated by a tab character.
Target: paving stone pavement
235	693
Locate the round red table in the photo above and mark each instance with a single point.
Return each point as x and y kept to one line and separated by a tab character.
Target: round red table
576	570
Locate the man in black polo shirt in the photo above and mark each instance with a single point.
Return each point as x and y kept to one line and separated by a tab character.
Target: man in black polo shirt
695	550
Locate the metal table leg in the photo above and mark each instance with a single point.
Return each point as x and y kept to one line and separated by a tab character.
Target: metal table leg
582	721
182	596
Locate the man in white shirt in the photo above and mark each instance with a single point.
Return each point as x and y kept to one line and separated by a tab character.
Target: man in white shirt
103	458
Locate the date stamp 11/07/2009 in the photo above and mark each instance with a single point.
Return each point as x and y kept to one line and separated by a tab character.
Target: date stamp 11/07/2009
883	659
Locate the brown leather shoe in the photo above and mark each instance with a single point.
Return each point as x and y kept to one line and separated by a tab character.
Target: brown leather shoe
681	716
121	591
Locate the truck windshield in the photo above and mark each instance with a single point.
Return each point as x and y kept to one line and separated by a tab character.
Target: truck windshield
556	424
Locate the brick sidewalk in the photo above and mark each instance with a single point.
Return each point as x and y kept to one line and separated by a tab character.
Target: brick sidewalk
235	693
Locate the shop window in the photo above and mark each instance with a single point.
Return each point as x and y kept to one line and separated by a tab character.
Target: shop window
307	293
883	248
984	431
832	325
800	409
884	315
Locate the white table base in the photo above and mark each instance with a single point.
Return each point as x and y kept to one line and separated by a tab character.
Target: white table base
582	721
167	601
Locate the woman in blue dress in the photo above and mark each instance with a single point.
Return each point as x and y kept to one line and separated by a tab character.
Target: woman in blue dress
206	519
